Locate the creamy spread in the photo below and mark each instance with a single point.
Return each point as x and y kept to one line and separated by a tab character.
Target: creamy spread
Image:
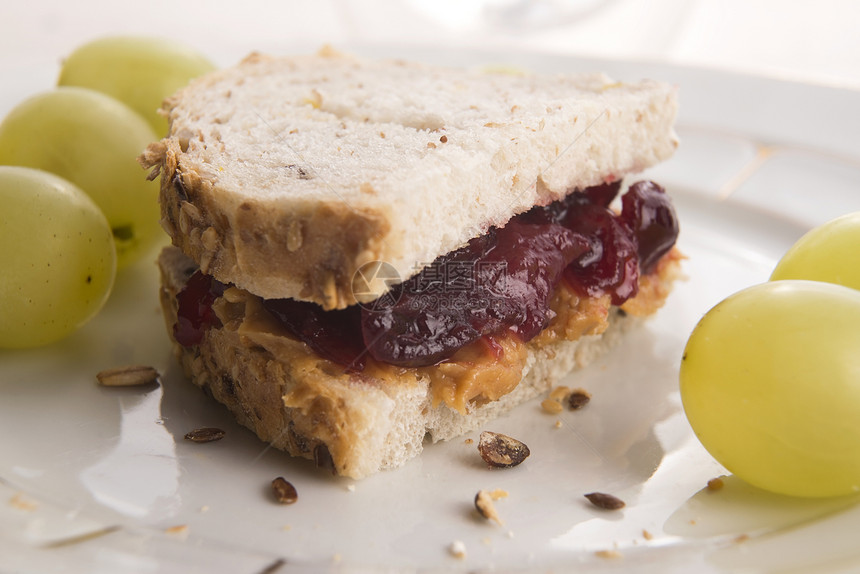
478	373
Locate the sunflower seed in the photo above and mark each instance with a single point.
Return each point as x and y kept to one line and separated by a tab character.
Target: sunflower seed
501	450
605	501
129	376
484	504
578	399
206	434
284	492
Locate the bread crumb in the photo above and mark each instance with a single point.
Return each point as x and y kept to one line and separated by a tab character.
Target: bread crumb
498	493
742	538
431	145
180	530
558	424
469	441
609	554
509	534
20	502
647	535
204	508
487	540
286	527
350	487
457	549
715	484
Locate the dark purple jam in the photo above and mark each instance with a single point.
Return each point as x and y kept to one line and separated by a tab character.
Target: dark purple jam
501	282
195	314
648	214
334	335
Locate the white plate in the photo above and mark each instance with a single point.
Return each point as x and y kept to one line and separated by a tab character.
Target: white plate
101	480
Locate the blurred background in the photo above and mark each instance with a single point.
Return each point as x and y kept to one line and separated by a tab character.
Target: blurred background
795	39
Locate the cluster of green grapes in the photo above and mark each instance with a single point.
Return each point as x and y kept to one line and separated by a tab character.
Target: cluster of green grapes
770	378
76	205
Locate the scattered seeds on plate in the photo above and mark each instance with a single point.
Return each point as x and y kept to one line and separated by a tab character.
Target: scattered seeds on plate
500	450
578	398
486	508
130	376
273	567
551	406
205	434
284	491
605	501
560	393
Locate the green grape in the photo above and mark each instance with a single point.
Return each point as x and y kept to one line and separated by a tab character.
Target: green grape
58	257
93	141
830	252
139	71
770	383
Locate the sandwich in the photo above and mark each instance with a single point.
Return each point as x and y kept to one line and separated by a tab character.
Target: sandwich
368	255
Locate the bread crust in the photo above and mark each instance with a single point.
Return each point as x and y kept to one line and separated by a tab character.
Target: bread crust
310	253
292	199
361	423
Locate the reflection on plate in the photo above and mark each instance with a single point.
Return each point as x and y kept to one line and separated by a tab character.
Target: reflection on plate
101	479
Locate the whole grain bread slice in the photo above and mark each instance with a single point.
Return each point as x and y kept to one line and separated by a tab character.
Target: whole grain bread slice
285	175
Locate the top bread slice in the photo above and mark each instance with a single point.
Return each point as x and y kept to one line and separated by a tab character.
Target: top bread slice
285	175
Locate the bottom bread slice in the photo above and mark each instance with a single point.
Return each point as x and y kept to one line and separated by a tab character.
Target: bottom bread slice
356	424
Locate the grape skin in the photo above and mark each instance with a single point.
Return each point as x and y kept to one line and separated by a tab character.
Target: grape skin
93	141
770	383
139	71
830	252
58	260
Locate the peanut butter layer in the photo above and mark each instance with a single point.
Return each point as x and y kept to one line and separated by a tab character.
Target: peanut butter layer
481	372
